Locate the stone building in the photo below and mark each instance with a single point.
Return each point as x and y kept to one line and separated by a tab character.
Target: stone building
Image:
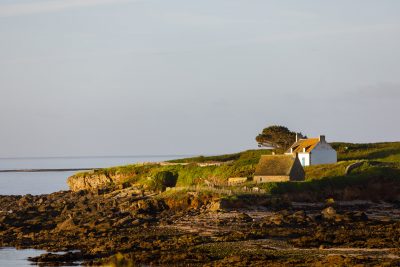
278	168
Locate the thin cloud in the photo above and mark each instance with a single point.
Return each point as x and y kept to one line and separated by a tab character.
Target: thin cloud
11	10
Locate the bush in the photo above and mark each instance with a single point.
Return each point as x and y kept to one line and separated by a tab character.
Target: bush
162	180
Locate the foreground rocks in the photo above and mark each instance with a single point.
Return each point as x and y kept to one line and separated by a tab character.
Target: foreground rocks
128	226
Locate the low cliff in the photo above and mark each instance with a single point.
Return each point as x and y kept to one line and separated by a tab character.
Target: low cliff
88	181
98	178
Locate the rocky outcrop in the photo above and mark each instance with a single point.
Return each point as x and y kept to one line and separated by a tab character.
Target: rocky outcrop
94	228
95	179
89	181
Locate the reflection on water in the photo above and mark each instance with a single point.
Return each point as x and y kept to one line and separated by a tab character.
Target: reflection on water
19	258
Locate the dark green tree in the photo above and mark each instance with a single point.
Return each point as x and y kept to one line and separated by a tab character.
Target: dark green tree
277	137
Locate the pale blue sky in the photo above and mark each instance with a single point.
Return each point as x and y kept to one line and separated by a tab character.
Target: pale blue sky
126	77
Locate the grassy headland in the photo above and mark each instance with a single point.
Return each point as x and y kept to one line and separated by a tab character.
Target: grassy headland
189	172
381	164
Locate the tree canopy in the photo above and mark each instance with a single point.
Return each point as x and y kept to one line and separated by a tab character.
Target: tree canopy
276	136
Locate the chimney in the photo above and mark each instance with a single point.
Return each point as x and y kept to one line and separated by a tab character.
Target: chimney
297	137
322	139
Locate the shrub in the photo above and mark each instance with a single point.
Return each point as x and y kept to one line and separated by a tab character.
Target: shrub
162	180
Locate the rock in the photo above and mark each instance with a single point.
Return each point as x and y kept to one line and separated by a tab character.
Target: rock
299	217
329	213
88	181
169	233
67	225
148	206
136	222
244	217
358	216
123	221
57	259
43	208
276	219
25	201
215	206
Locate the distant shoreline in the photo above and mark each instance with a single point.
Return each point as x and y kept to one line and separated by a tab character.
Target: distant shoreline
95	157
48	170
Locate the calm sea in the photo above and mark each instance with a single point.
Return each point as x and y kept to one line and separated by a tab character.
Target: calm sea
35	183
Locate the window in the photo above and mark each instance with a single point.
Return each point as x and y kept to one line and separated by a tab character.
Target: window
303	161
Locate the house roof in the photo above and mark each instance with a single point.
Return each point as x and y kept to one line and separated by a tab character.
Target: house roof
275	165
309	144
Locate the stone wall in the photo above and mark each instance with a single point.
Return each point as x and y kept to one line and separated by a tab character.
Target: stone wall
268	179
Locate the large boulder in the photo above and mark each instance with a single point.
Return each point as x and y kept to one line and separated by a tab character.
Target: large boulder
88	181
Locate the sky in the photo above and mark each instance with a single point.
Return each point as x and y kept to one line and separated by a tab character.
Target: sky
156	77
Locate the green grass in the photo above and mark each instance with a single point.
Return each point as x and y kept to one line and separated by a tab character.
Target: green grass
389	151
326	170
243	166
248	154
335	183
128	171
204	159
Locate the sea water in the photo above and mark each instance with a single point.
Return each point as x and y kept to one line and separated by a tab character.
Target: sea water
19	257
36	183
13	257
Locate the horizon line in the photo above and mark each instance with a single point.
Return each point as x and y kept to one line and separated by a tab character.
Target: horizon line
101	156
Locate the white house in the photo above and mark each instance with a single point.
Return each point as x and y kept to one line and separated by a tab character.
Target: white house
313	151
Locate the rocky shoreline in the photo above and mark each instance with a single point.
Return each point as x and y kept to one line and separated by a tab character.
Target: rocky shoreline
129	226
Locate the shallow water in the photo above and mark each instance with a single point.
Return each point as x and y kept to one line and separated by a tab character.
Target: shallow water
36	183
13	257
